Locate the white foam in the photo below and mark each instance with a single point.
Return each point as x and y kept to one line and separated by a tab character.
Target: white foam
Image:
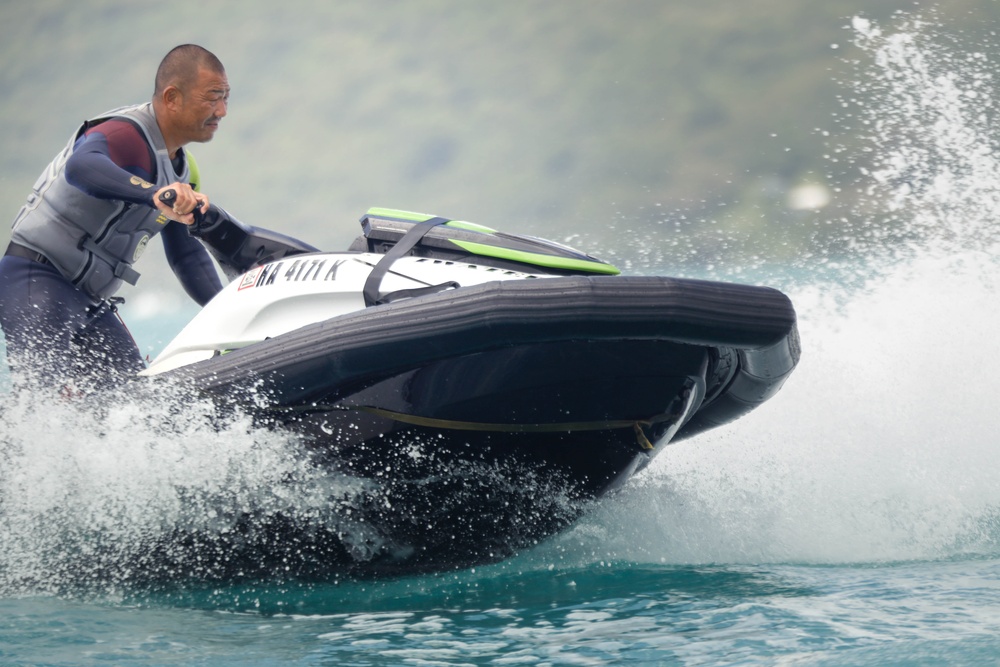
85	489
882	445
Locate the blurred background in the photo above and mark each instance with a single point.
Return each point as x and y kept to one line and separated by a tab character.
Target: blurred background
700	138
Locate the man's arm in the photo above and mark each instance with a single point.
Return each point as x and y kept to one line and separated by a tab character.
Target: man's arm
113	161
191	263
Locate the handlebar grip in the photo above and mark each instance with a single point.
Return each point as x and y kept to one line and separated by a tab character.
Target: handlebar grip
168	197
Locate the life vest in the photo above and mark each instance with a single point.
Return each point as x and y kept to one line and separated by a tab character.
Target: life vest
94	242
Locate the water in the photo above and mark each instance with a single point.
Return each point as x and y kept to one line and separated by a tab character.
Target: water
855	519
924	613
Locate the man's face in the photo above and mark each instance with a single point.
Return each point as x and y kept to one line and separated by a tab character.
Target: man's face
203	106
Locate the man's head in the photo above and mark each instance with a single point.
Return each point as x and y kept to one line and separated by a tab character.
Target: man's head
190	96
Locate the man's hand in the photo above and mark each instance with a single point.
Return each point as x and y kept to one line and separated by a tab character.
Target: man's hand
186	201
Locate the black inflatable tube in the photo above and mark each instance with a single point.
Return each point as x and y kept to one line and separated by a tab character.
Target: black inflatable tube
347	351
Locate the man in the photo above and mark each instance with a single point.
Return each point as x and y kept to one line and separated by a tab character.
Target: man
89	218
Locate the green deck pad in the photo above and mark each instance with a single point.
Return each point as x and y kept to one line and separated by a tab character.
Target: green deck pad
398	215
485	250
470	226
411	216
537	259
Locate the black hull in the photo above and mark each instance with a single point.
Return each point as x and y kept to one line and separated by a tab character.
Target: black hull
589	412
486	418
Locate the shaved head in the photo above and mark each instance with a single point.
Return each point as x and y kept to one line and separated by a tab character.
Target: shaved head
181	65
191	96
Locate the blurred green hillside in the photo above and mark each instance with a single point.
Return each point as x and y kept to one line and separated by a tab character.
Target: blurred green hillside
686	125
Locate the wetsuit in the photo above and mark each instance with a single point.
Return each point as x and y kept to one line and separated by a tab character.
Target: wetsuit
59	332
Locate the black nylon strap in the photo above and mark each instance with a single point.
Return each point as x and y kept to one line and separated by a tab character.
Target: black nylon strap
403	246
18	250
417	291
121	269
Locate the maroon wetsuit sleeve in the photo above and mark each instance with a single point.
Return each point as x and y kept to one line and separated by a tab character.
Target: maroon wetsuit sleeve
113	161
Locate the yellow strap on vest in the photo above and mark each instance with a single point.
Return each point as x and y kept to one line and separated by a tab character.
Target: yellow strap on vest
193	171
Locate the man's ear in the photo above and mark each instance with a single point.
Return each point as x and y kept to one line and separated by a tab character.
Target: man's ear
172	97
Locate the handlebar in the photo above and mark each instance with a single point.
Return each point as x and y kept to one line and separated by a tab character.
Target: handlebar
236	246
168	197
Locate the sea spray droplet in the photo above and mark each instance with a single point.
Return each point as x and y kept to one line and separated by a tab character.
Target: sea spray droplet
102	493
864	27
935	172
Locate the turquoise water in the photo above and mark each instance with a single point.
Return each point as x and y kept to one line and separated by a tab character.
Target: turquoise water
852	520
917	613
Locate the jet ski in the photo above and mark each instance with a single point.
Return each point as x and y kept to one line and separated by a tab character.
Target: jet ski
490	384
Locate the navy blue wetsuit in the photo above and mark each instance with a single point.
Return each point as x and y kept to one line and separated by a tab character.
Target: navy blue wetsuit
56	329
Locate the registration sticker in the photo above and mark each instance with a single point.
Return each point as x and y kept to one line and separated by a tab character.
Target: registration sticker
250	278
